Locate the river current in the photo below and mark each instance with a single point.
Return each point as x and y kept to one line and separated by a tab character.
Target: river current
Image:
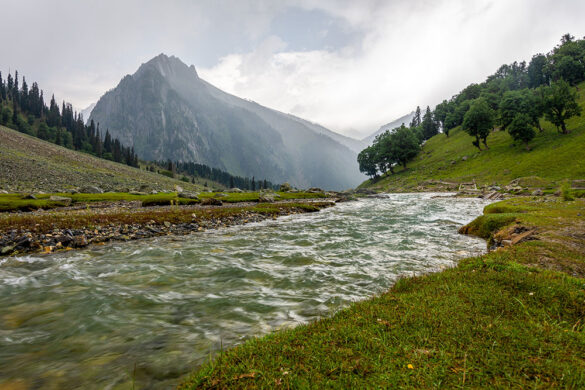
148	312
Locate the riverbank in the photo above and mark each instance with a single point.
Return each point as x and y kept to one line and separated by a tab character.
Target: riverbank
68	228
512	318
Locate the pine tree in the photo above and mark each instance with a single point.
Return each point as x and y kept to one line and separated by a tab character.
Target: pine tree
416	121
2	89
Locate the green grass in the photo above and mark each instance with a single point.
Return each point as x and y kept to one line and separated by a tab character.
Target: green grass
502	320
553	158
16	202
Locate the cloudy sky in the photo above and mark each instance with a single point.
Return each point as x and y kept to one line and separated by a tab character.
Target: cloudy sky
349	65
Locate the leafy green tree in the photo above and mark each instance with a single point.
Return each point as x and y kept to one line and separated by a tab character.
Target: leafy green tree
367	161
404	144
479	121
525	101
440	115
569	69
384	156
560	104
536	71
521	128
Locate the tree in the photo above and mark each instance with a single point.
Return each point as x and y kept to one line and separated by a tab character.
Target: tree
366	161
560	104
416	121
383	152
232	182
440	115
404	145
429	126
479	121
569	69
253	184
521	102
536	71
521	128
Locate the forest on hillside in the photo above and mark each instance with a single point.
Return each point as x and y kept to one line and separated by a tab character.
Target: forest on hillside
514	99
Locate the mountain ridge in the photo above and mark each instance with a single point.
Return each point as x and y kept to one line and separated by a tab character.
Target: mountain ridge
166	111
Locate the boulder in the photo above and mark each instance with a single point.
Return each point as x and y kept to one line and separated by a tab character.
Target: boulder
188	195
178	188
211	202
235	190
464	158
3	192
537	192
285	187
266	198
29	196
62	199
315	190
137	193
91	190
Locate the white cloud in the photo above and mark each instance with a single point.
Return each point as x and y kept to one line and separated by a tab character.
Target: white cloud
411	54
398	53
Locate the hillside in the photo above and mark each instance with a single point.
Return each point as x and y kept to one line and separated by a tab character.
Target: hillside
165	111
31	164
553	157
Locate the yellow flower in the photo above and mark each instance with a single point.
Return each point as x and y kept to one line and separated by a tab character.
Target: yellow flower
410	366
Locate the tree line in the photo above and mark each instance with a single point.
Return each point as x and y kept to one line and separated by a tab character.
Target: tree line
24	109
172	168
515	98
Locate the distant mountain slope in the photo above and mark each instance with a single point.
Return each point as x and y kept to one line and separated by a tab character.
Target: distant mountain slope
167	112
553	158
86	112
30	164
406	119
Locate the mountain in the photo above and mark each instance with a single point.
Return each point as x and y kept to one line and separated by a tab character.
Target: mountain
166	111
86	112
388	126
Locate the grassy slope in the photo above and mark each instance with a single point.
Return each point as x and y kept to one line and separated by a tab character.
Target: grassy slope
31	164
508	319
553	157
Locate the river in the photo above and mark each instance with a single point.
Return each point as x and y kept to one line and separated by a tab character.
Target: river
148	312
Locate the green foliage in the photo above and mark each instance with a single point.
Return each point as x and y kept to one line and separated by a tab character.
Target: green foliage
367	161
520	129
566	191
560	104
479	121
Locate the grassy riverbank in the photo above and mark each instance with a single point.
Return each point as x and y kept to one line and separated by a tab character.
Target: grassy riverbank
513	318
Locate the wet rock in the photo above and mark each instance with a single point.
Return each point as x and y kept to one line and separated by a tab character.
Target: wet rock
211	202
7	249
79	241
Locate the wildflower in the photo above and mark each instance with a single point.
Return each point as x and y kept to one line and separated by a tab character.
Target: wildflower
410	366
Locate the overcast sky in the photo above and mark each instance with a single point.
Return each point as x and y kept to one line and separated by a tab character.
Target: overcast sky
351	66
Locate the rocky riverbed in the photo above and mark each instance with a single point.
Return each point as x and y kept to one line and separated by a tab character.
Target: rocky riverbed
26	236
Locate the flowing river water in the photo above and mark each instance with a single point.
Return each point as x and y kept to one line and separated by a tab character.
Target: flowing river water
146	313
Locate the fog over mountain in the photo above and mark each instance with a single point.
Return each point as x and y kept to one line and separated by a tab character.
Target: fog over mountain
406	119
166	112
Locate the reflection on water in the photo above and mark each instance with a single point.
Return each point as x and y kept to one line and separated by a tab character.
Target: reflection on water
150	311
